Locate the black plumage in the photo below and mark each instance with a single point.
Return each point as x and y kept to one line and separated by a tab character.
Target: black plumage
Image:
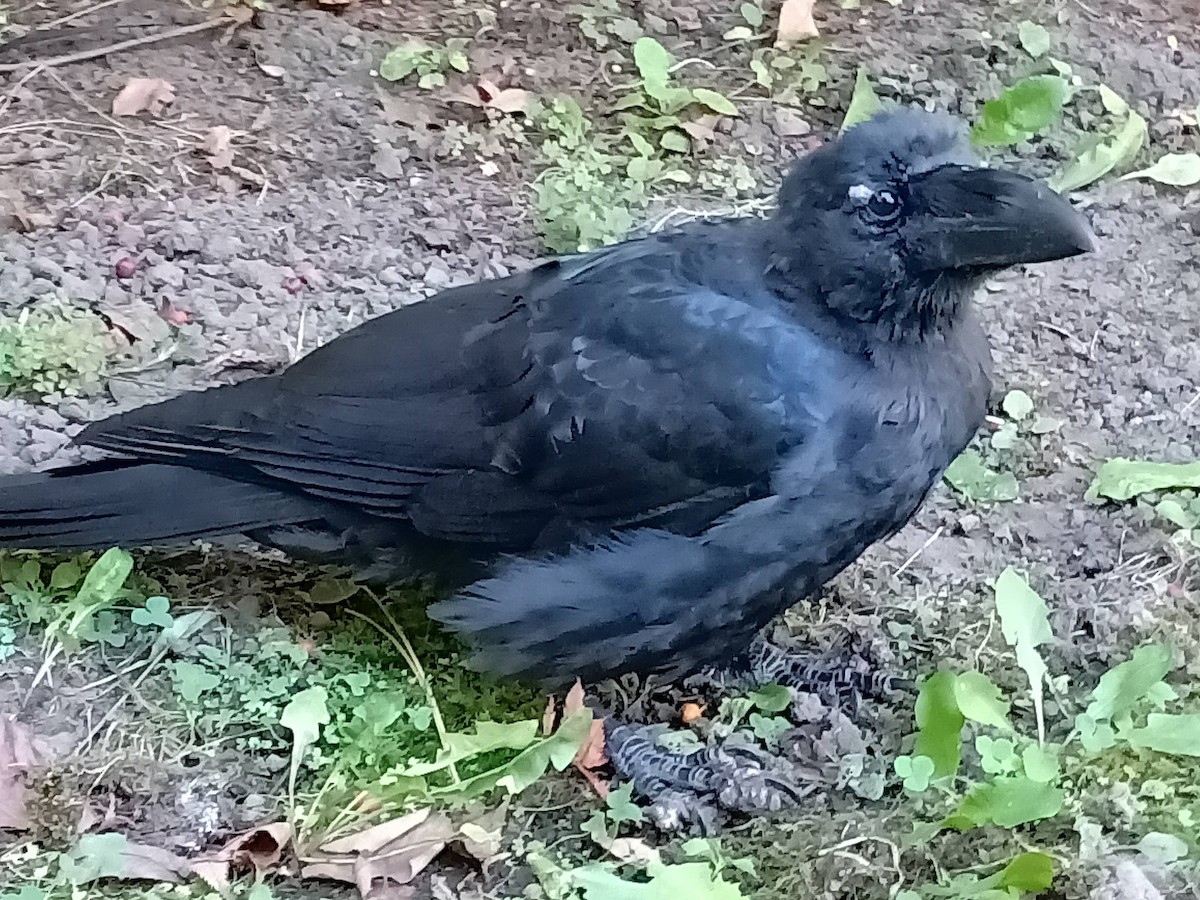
630	459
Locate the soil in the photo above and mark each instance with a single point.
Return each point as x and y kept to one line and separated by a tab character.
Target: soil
348	196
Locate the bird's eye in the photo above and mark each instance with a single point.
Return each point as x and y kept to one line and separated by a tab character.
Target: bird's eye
883	206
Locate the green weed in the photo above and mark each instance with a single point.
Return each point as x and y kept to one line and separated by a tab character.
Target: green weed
428	62
1011	778
590	184
655	113
752	15
789	76
582	198
358	713
52	350
1170	492
1022	111
602	21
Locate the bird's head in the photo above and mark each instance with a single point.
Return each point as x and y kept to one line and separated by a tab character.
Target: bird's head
894	223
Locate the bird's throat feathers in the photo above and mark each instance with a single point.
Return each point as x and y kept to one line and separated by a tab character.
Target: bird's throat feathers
852	302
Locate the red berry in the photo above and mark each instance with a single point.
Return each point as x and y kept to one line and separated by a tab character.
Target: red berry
125	267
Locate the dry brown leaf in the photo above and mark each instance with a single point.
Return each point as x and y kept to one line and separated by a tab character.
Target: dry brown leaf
257	850
214	873
218	144
487	94
375	838
240	15
796	22
374	881
112	855
135	321
17	757
573	702
143	94
143	862
481	835
511	100
702	129
592	754
383	858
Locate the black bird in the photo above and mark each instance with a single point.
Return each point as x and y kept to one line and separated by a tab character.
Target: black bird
630	459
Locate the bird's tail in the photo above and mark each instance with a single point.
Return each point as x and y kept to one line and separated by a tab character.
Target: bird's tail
119	503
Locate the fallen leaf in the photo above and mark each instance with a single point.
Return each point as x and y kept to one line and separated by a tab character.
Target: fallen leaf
134	322
141	95
486	94
481	835
788	123
1102	155
702	128
1177	169
384	856
214	873
218	145
573	702
257	850
111	855
1034	38
864	102
239	15
592	754
511	100
796	22
1022	111
272	71
17	757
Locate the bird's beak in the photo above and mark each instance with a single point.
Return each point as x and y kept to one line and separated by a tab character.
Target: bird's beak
989	218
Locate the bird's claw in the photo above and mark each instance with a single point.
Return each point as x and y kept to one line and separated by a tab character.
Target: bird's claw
841	679
688	790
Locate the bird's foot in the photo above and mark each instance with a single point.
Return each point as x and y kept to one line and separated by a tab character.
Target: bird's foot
697	787
841	678
690	790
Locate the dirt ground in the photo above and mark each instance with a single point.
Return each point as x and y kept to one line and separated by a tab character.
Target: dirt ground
347	196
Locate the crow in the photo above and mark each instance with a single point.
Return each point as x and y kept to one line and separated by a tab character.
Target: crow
627	460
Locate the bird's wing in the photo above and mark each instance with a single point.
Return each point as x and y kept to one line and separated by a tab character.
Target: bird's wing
599	392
